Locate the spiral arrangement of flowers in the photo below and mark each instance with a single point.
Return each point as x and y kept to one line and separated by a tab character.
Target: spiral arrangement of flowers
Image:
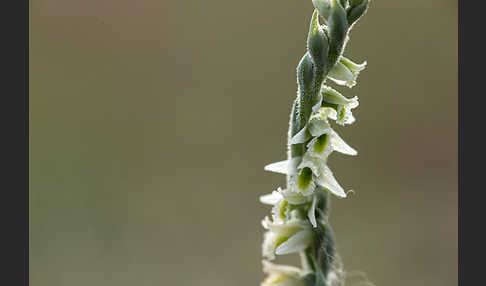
299	221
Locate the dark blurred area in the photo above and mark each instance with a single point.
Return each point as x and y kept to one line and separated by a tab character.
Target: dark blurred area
151	121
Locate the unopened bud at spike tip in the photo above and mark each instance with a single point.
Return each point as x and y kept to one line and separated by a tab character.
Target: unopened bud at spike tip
323	6
338	26
356	10
317	42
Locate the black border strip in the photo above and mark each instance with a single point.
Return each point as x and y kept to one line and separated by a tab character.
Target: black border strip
472	144
14	118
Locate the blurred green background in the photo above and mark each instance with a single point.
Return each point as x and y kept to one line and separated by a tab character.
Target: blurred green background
151	121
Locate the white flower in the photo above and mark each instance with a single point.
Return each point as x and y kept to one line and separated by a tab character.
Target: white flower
294	197
318	125
352	66
302	182
286	236
323	145
284	201
345	72
281	275
281	208
321	174
342	105
324	141
345	116
312	172
276	198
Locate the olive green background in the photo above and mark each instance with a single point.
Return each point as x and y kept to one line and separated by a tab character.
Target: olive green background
151	121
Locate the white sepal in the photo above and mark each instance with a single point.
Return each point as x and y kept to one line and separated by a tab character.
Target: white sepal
293	197
326	180
323	146
339	145
283	167
297	242
302	136
271	199
311	213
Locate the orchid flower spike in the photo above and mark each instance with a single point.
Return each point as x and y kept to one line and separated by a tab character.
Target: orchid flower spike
299	216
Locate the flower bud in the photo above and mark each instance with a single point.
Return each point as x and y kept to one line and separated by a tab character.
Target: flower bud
323	6
317	43
306	80
316	168
357	8
338	30
305	73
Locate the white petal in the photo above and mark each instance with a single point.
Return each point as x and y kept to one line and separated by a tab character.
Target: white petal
294	197
288	228
353	103
339	145
295	243
266	223
327	180
311	214
318	126
354	67
331	95
345	116
310	162
328	112
341	75
282	167
301	136
271	199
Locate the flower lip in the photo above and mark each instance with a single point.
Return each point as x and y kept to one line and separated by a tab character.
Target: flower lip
282	275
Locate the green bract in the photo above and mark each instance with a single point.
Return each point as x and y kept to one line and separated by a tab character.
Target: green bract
299	221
